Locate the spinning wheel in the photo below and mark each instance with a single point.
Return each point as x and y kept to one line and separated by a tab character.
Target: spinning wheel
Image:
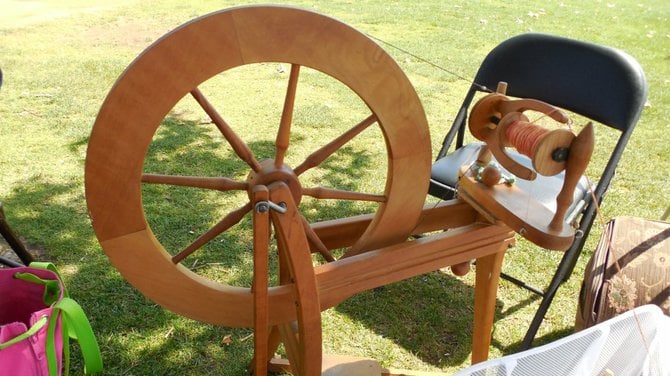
176	67
172	68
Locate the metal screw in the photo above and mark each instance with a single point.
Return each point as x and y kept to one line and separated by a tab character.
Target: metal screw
262	206
280	208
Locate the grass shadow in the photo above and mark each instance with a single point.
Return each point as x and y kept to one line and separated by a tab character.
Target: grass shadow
138	337
50	219
539	341
511	310
427	315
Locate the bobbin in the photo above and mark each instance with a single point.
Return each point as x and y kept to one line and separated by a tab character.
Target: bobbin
548	153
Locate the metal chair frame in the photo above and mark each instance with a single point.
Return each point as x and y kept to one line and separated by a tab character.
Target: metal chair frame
598	82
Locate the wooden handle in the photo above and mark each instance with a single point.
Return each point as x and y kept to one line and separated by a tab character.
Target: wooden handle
580	155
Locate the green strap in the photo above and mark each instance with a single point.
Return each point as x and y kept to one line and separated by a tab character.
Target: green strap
52	357
45	265
51	267
51	286
76	326
33	329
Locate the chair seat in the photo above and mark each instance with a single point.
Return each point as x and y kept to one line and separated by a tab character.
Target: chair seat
444	180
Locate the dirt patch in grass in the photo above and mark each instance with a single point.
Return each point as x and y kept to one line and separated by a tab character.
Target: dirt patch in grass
124	33
7	252
25	13
108	30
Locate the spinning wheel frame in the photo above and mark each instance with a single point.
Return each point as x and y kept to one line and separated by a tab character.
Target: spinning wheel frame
174	66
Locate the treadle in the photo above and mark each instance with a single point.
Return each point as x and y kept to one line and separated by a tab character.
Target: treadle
343	365
336	365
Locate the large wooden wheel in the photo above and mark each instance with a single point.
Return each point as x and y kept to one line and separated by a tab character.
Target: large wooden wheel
173	68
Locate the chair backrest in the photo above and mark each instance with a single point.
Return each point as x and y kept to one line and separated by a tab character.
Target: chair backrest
601	83
598	82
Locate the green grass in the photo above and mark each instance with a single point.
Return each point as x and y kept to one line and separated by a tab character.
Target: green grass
60	59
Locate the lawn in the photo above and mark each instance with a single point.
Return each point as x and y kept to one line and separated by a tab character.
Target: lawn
60	59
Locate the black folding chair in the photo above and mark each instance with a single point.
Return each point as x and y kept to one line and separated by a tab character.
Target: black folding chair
10	237
597	82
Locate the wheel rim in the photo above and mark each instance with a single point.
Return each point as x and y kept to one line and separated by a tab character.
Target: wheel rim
173	67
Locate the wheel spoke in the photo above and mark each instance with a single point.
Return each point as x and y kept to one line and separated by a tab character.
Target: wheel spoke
316	241
227	222
241	149
337	194
327	150
286	116
217	183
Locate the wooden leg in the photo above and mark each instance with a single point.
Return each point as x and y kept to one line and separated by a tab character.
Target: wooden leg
303	346
273	344
289	336
260	284
486	289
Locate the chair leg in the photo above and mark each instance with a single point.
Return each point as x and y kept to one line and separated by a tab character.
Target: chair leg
13	241
564	270
7	262
521	284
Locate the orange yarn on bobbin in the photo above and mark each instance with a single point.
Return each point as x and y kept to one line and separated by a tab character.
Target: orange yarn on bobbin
525	137
548	149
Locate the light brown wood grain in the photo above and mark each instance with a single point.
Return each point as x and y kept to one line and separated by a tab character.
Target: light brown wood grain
578	159
261	223
517	209
292	241
486	286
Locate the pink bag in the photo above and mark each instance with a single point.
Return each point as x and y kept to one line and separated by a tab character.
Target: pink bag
37	318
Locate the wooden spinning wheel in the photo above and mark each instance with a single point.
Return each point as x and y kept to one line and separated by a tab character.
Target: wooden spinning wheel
175	67
172	68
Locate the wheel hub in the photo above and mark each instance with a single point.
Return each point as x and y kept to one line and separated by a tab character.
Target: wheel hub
269	173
